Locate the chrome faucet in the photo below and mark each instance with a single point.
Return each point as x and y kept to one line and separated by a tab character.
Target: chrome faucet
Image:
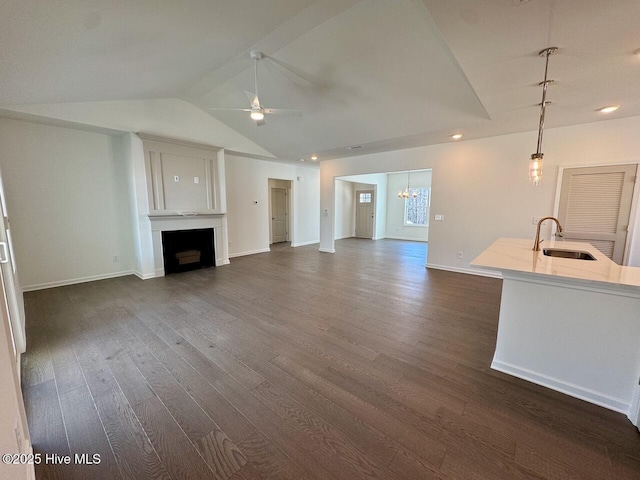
537	241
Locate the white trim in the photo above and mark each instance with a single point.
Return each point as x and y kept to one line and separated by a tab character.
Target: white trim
345	236
591	396
144	276
407	239
327	250
301	244
249	252
220	262
469	271
73	281
634	409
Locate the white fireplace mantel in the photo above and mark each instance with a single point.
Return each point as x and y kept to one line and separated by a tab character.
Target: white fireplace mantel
166	223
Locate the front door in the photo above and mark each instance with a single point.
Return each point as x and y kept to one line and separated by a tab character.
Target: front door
14	299
364	213
279	215
595	204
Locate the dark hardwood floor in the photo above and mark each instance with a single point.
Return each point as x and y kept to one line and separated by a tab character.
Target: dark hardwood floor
294	365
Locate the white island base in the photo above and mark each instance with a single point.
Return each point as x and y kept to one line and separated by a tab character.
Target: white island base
562	328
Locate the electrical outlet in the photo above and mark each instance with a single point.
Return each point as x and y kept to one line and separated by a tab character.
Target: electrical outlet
116	259
460	254
196	179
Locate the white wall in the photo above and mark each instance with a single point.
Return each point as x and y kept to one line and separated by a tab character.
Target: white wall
396	228
345	210
248	181
481	186
165	117
68	201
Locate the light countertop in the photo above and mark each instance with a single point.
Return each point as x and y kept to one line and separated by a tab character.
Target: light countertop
516	255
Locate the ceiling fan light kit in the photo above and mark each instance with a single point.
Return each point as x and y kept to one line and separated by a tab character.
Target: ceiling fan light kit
535	162
257	111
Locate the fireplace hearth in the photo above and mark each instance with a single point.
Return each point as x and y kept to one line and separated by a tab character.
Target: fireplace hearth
185	250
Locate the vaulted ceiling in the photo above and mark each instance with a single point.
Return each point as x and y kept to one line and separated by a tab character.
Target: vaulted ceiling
384	74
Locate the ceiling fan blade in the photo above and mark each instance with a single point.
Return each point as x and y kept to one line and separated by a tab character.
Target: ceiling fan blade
282	111
253	99
259	123
232	109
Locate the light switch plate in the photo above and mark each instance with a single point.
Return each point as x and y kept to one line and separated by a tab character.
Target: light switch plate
439	217
176	178
196	179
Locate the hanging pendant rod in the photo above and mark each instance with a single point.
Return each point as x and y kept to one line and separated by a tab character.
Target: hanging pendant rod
543	104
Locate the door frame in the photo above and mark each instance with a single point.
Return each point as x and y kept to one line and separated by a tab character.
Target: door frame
634	220
290	207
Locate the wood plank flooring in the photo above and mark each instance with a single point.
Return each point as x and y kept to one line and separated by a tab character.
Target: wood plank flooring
295	365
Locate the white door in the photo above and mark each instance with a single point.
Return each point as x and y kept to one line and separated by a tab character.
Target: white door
364	213
595	204
13	293
279	215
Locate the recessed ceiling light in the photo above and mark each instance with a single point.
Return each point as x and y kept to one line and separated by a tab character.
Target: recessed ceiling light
353	147
314	157
302	159
456	136
609	109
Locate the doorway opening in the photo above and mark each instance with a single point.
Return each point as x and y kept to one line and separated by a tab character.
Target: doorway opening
279	211
368	206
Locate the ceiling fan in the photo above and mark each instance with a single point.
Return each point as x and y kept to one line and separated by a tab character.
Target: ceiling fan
258	111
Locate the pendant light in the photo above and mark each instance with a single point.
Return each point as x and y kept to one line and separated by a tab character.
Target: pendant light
406	193
535	163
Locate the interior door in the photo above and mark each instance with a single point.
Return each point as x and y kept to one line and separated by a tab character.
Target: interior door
13	293
279	215
364	213
595	204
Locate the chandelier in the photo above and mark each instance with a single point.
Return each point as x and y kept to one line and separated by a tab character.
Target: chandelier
535	163
406	193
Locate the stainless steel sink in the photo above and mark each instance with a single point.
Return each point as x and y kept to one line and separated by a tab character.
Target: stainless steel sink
575	254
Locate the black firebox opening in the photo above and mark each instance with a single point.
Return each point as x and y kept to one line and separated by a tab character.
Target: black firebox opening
185	250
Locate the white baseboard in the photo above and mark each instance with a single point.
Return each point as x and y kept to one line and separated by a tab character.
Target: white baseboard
343	237
73	281
634	409
470	271
222	261
144	276
327	250
249	252
302	244
409	239
591	396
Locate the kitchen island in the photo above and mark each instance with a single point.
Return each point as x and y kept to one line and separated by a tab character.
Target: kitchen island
568	324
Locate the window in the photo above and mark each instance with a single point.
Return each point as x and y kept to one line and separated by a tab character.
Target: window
365	198
416	210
